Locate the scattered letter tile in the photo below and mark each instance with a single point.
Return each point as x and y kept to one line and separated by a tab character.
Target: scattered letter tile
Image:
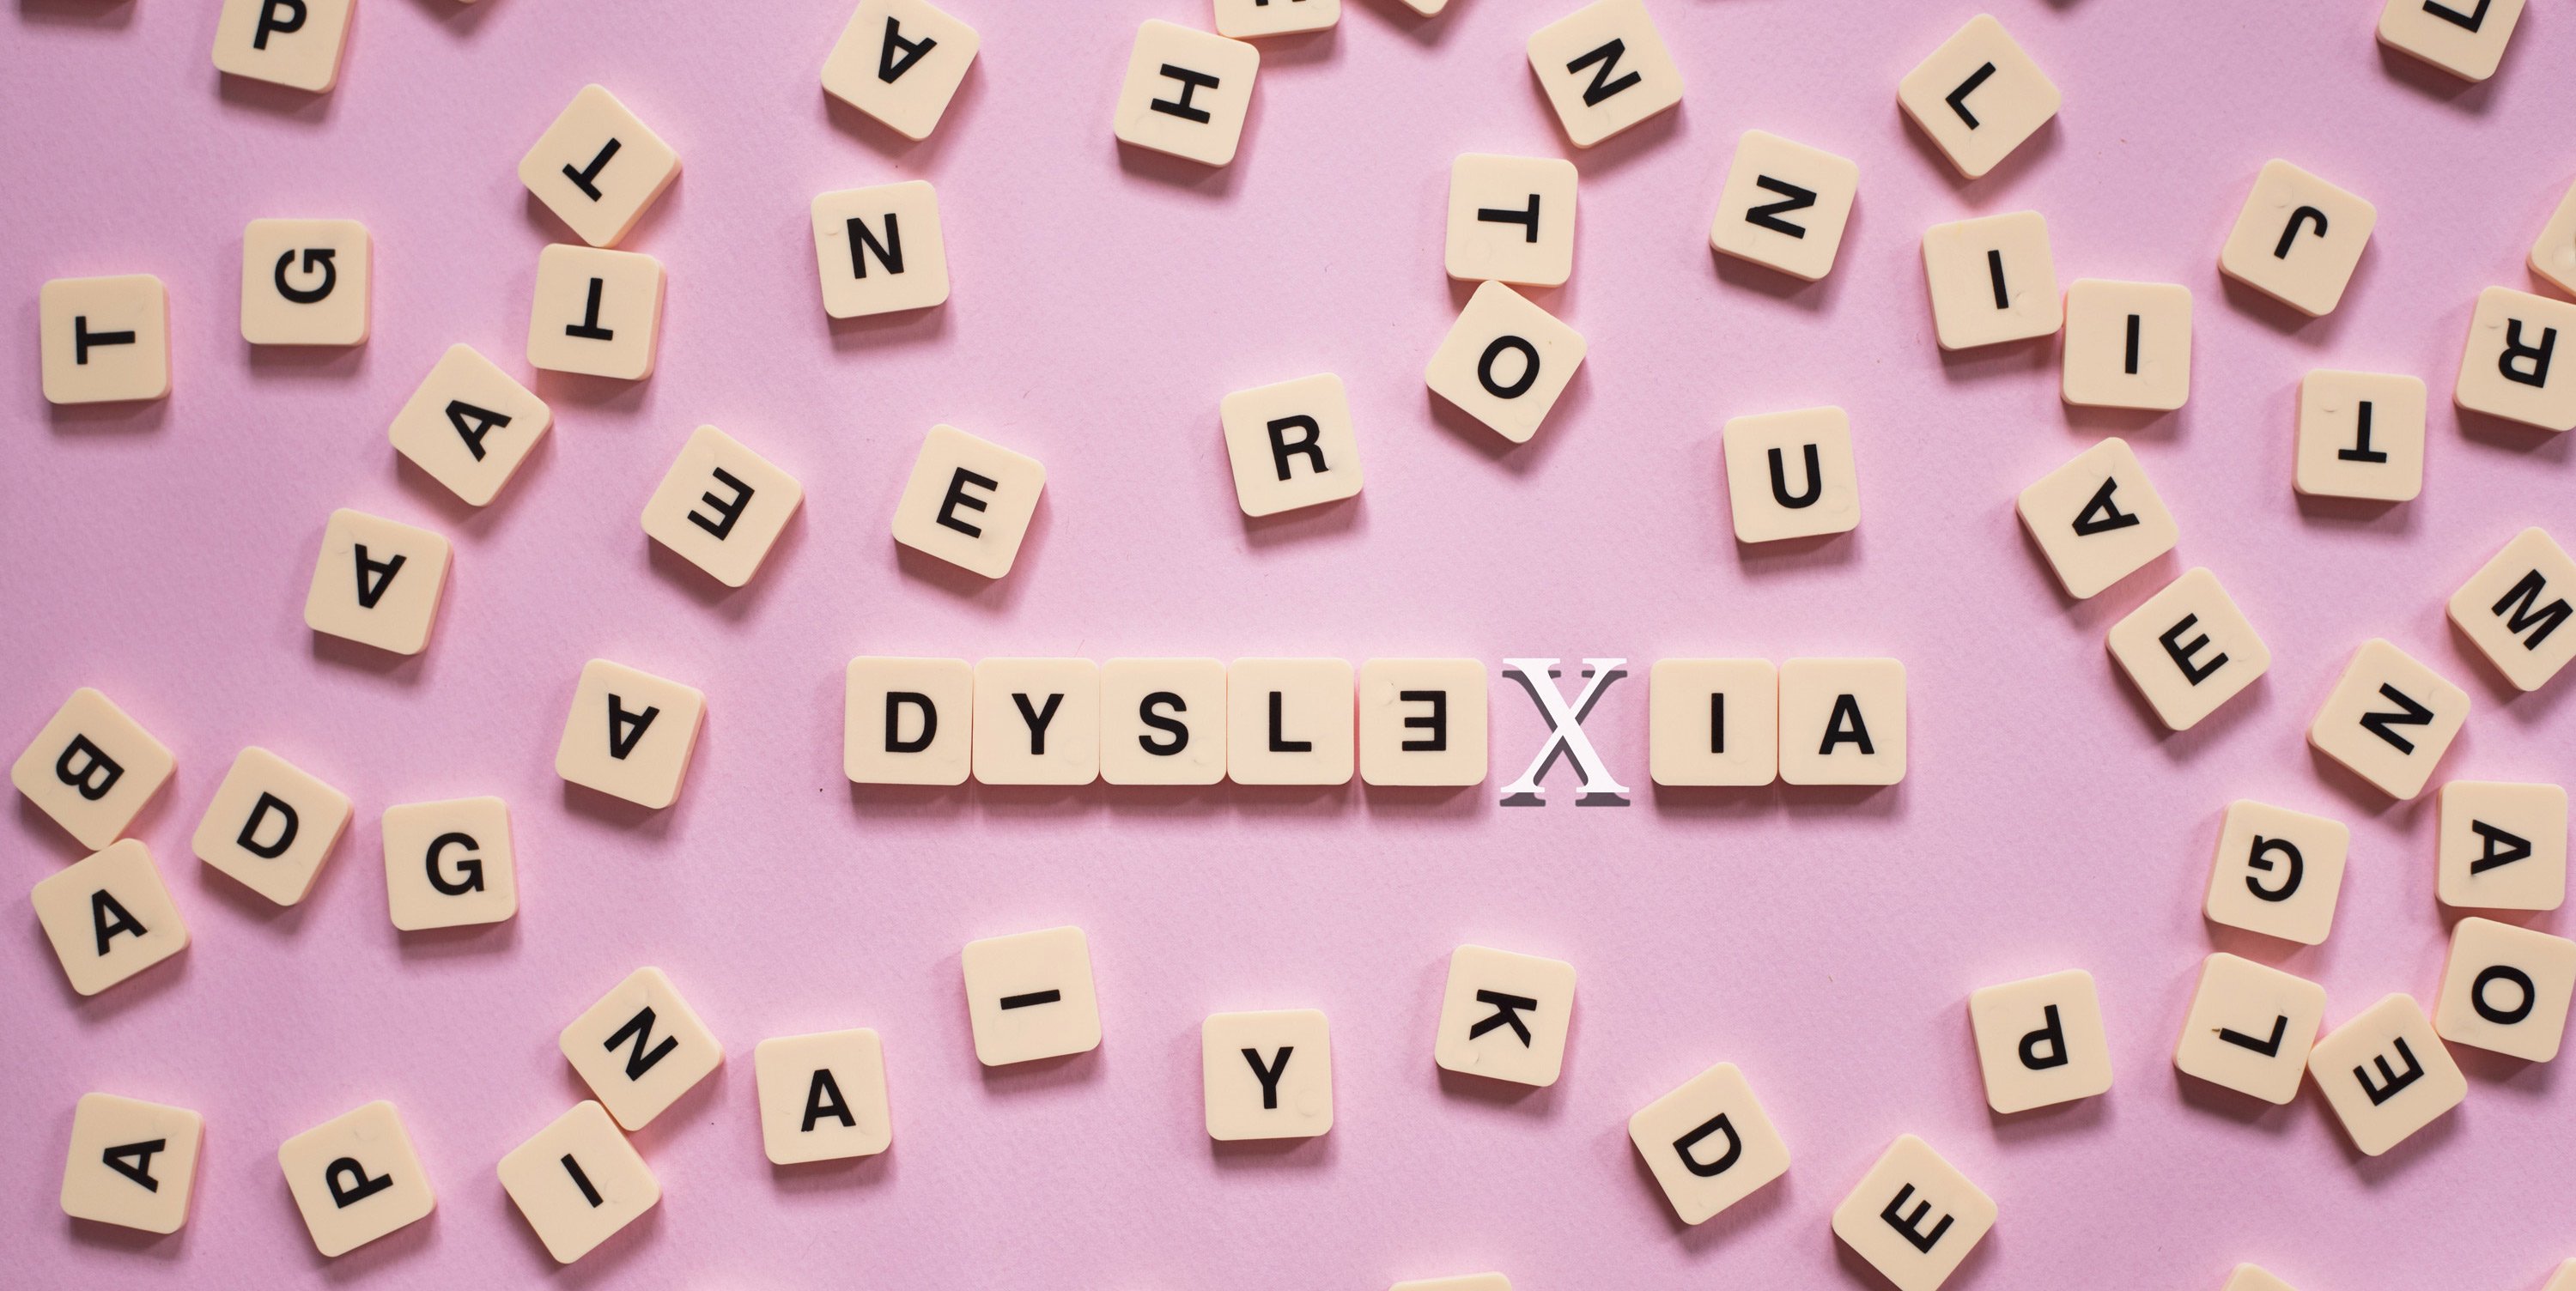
1029	996
822	1097
1978	96
2510	367
629	734
721	506
2297	239
1708	1143
2389	719
908	721
968	502
1790	475
879	249
900	61
1422	722
578	1181
1245	18
1291	721
105	339
2277	872
2554	256
304	282
1511	219
597	168
1037	721
1187	92
1913	1217
2361	435
596	312
2188	649
2128	344
2515	609
377	582
2250	1028
91	768
271	826
1162	721
1505	361
1267	1075
2503	846
2041	1041
2506	989
1785	205
640	1047
1504	1016
469	425
1714	721
1992	280
2463	37
2250	1277
1605	69
2097	519
1291	445
109	917
355	1178
294	43
2386	1074
132	1163
1842	721
448	864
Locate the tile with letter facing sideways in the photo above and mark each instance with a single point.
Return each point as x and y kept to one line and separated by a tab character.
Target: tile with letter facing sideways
2503	846
355	1178
2386	1074
1764	453
2506	989
640	1047
1505	1016
578	1181
1842	721
132	1163
908	721
2361	435
2553	255
108	916
1464	1282
2517	609
822	1096
1708	1143
2463	37
2188	649
1291	444
1029	996
1246	18
598	168
1504	362
2297	239
2389	719
2097	518
1162	721
2250	1028
1992	280
1037	721
1714	721
449	864
1785	205
2277	872
1978	96
1605	68
105	339
1186	93
900	61
2520	361
1291	721
469	425
377	582
2128	345
879	249
1423	722
91	768
1511	219
2251	1277
1267	1075
598	313
305	282
1914	1217
294	43
630	734
271	825
721	506
2040	1041
968	502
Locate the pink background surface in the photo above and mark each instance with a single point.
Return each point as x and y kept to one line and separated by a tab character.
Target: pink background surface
1104	302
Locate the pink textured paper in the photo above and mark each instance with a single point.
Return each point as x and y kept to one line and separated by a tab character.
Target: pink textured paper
1104	302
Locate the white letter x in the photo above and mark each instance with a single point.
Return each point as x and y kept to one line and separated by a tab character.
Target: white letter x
1565	733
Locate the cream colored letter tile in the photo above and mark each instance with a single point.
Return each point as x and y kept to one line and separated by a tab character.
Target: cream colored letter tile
1978	96
2277	872
1913	1217
968	502
1714	721
908	721
1785	205
271	826
1422	722
596	312
91	768
1243	18
2297	239
2128	344
900	61
578	1182
822	1097
355	1178
1291	721
132	1163
2040	1041
304	282
1511	219
597	168
1992	280
1029	996
879	249
1162	721
105	339
1037	721
2097	519
1842	721
1187	92
1291	445
449	864
294	43
377	582
1505	361
2554	256
1504	1016
2250	1028
109	917
630	734
2564	1279
2188	649
2506	989
1604	68
2510	368
470	424
1708	1143
640	1047
1267	1075
721	506
2463	37
2249	1277
2386	1074
2361	435
2515	609
2389	719
1790	475
2503	846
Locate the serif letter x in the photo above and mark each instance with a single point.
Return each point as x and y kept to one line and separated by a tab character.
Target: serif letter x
1565	733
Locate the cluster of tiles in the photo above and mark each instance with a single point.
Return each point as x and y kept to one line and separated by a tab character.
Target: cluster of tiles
1510	223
